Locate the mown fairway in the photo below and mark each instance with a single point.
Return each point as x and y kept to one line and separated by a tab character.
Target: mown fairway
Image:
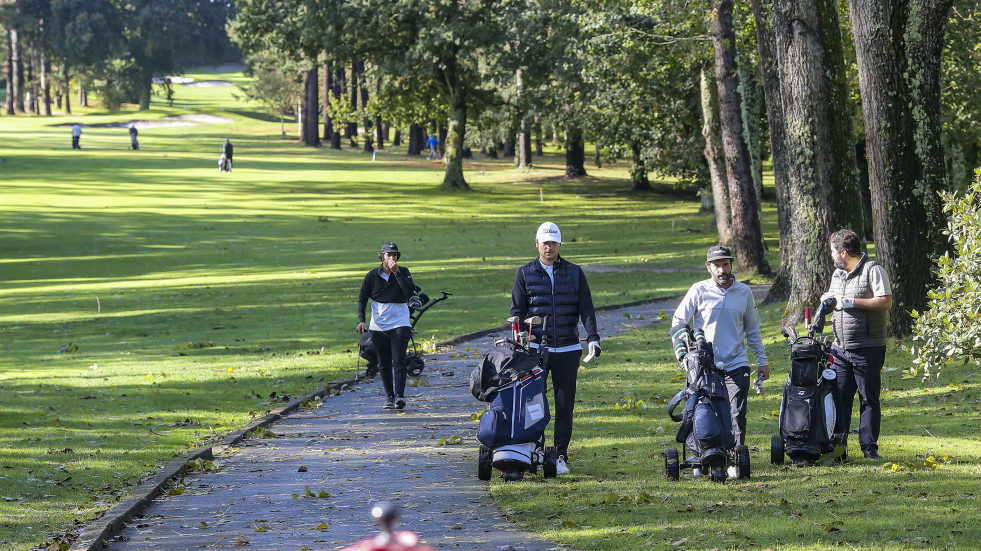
150	304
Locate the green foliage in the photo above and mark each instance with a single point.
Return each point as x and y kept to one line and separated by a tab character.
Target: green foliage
950	329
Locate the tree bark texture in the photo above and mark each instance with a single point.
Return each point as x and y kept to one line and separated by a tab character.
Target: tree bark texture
808	112
747	231
416	135
638	170
328	86
767	44
336	89
311	111
898	45
66	89
524	128
456	126
8	69
17	73
715	157
368	137
352	127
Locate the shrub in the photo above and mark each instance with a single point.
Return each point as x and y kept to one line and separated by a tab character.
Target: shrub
950	329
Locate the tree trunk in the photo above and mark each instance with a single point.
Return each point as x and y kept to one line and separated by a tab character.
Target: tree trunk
805	80
67	93
638	171
416	141
455	128
397	138
715	157
17	74
8	104
336	88
508	149
328	83
575	148
767	43
368	138
539	139
747	229
30	96
311	112
898	46
43	69
524	127
352	127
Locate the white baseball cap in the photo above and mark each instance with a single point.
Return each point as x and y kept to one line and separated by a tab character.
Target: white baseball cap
548	232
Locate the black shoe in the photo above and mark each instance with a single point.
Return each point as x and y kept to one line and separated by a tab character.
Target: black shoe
872	454
400	403
390	403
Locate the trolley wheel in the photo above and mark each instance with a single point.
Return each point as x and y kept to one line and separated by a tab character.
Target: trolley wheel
672	465
776	449
414	364
549	467
742	461
485	463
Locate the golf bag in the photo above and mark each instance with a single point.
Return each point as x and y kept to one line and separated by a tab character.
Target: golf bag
706	424
224	163
512	380
808	410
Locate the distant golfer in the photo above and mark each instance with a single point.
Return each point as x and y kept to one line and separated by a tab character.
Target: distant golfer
132	136
225	160
76	135
432	144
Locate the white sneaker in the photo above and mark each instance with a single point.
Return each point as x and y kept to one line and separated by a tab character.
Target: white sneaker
560	466
696	472
731	471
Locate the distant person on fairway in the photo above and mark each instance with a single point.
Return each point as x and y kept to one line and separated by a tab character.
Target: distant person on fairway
859	321
132	136
76	135
726	310
225	161
432	144
389	287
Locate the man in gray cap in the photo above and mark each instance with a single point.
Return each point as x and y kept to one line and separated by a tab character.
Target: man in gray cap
389	287
726	310
554	287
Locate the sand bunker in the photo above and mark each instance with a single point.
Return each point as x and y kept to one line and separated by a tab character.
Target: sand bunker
209	83
199	118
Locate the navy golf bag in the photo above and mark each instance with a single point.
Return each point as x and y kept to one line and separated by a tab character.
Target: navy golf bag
808	410
511	431
706	422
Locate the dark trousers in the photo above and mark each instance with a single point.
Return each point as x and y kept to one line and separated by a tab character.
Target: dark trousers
75	142
860	370
737	384
563	368
390	346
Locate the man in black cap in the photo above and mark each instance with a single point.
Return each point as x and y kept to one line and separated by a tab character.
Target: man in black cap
726	310
389	287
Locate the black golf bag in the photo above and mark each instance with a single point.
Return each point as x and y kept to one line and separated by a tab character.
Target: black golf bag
511	431
808	410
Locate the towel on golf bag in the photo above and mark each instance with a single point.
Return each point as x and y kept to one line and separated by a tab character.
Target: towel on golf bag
504	364
706	424
809	409
518	413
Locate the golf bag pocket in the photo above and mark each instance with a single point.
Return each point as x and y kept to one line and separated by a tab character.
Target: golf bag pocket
805	363
801	413
531	415
494	430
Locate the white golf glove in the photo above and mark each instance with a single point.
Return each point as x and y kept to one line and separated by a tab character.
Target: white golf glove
847	302
594	351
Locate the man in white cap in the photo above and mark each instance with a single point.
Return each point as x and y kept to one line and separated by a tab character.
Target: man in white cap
554	287
726	310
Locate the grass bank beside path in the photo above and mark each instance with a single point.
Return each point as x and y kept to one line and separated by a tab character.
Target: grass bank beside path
149	304
617	496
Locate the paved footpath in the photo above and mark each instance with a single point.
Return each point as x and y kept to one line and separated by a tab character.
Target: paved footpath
357	454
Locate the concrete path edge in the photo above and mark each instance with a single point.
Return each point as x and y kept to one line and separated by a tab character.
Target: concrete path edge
97	532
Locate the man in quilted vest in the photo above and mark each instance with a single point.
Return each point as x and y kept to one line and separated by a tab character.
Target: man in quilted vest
554	287
864	298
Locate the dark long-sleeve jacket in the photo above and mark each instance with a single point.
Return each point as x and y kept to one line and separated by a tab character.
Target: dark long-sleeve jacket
227	150
565	303
398	289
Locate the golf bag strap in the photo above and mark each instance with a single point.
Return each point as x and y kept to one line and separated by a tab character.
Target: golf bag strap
673	404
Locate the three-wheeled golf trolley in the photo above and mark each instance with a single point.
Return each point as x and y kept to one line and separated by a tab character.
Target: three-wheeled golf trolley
511	431
706	424
808	410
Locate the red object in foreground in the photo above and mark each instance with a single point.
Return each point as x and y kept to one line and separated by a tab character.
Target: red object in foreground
386	514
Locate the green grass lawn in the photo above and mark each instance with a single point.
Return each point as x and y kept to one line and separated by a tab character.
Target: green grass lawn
149	304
